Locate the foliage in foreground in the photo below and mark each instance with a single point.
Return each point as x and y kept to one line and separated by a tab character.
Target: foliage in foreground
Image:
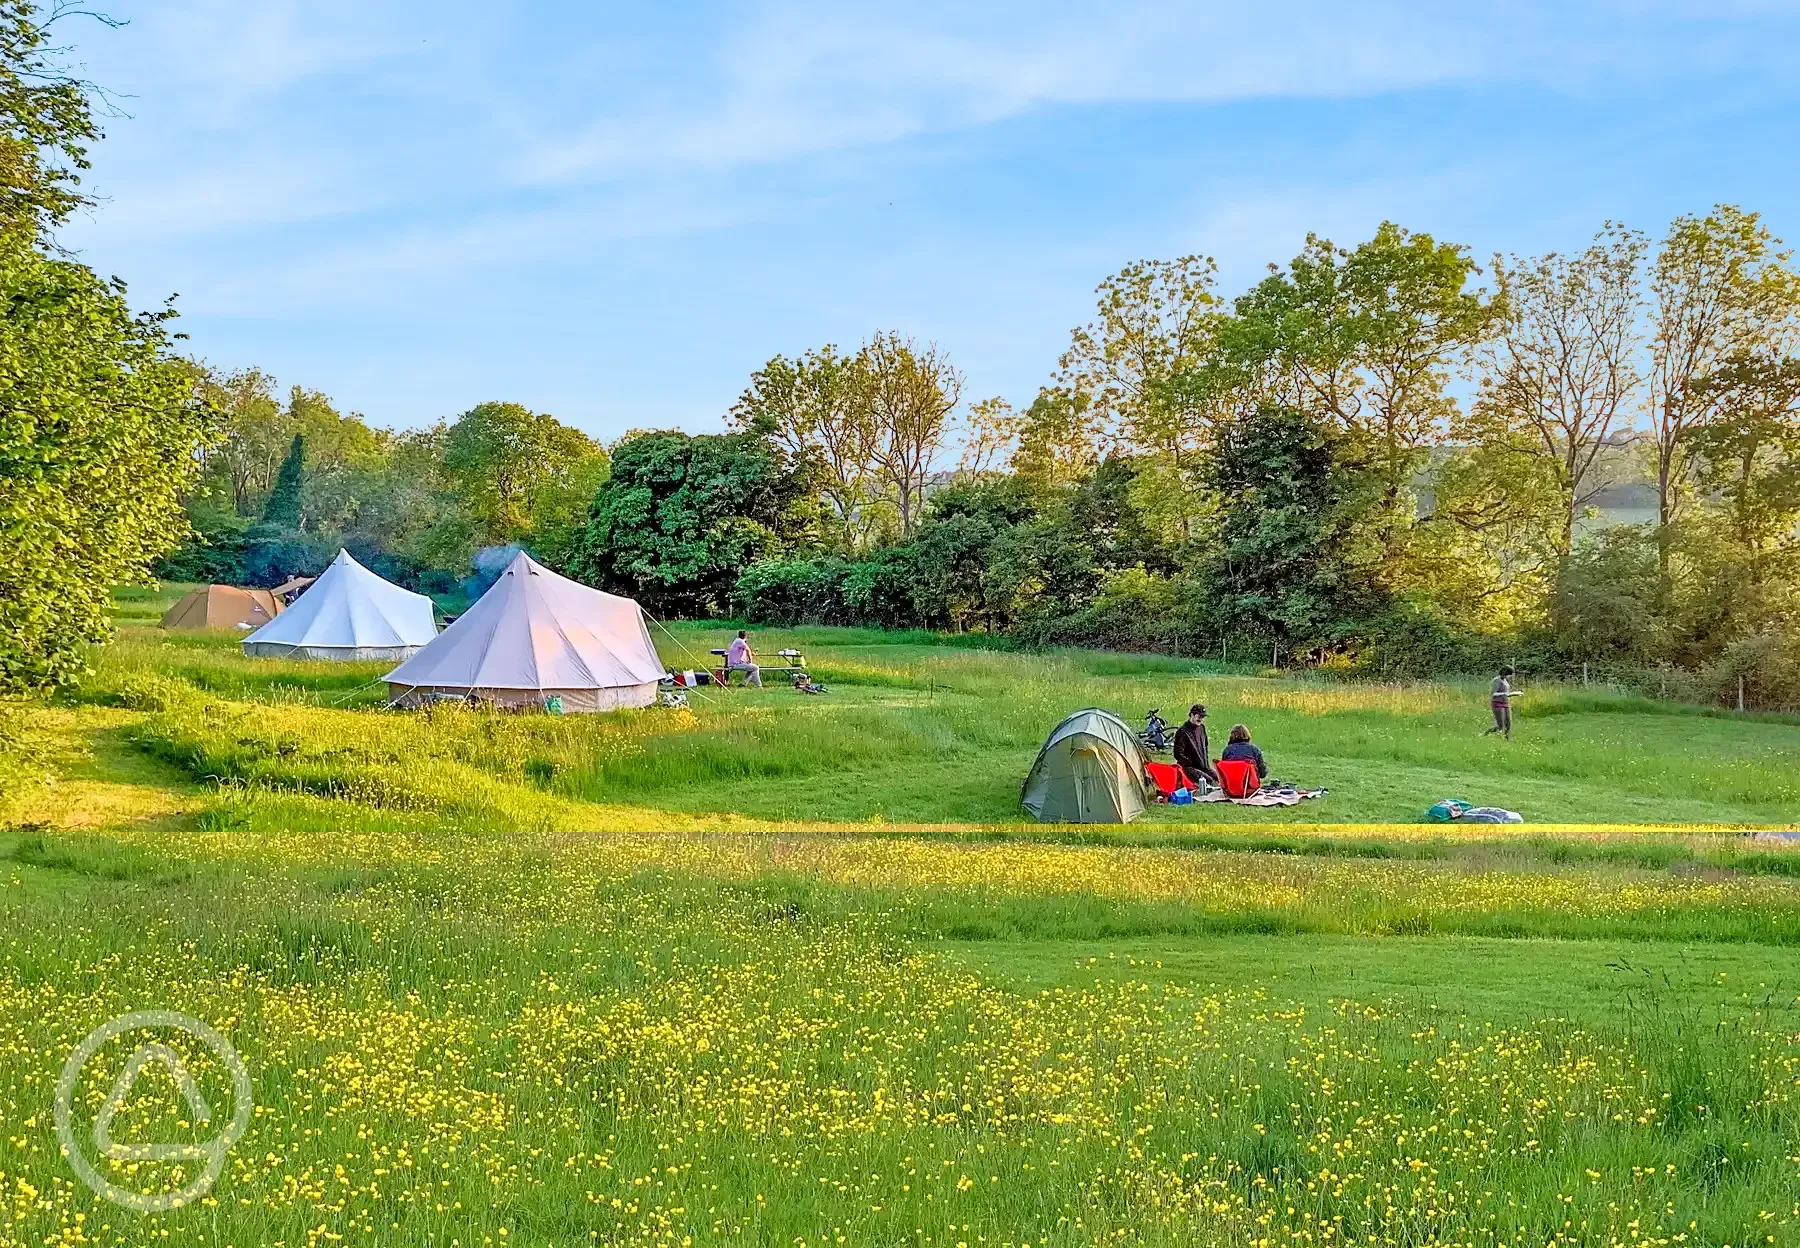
98	423
472	1016
488	1040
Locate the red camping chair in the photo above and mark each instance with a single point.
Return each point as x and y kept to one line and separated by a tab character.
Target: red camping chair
1237	776
1168	777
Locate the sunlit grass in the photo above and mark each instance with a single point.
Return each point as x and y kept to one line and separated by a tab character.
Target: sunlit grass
778	969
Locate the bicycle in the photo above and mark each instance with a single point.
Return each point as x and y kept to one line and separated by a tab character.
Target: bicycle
1155	736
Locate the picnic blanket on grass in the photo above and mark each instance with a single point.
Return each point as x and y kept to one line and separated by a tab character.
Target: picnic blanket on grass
1285	795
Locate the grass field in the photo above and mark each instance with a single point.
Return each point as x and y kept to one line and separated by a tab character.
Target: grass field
792	970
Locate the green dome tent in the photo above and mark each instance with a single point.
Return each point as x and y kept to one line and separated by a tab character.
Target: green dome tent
1090	770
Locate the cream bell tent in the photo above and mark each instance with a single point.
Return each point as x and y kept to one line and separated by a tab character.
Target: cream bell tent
223	606
1090	770
348	613
533	636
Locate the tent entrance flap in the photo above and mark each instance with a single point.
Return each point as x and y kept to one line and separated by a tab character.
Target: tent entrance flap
1093	786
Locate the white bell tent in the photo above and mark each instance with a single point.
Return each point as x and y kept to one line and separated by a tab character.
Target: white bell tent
348	613
535	635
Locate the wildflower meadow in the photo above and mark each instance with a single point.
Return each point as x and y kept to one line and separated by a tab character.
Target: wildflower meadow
791	970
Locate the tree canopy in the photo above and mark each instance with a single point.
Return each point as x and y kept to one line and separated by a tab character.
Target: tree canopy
99	423
681	516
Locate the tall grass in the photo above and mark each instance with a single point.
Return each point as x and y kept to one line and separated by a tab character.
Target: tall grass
479	1007
509	1044
922	734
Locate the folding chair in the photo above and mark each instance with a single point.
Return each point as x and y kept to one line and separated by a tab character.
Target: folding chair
1237	776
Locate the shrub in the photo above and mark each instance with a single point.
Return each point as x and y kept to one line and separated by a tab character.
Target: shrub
1768	664
273	555
1134	610
793	591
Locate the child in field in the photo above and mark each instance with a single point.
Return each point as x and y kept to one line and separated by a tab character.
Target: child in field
1500	702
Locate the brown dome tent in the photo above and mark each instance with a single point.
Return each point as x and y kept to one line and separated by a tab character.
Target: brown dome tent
223	606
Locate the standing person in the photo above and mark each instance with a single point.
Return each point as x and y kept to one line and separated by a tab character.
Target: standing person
740	657
1500	702
1192	752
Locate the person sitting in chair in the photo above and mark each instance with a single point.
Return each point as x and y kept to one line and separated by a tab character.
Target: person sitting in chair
1240	749
741	658
1193	753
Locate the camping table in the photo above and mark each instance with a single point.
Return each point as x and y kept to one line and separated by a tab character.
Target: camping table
796	663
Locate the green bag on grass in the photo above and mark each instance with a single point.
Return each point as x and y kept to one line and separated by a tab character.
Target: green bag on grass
1448	811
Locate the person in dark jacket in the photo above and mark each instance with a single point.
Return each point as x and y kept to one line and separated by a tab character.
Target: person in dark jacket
1239	748
1193	753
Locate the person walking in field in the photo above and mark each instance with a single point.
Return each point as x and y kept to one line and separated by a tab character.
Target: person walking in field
741	658
1500	701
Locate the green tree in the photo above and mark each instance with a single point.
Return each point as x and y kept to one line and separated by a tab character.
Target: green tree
681	517
961	569
1604	605
1154	320
344	460
1284	563
1720	287
520	472
283	506
1059	438
912	388
98	430
990	438
819	408
1561	370
413	509
255	432
1746	459
99	427
1749	453
46	124
1365	338
1485	550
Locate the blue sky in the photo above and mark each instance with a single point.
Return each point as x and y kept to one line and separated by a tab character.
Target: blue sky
614	213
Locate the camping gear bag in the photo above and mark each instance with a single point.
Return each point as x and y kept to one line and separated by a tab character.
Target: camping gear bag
1491	814
1456	810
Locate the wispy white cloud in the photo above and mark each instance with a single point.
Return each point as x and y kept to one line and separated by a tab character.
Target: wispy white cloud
221	55
394	269
309	172
800	79
251	192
